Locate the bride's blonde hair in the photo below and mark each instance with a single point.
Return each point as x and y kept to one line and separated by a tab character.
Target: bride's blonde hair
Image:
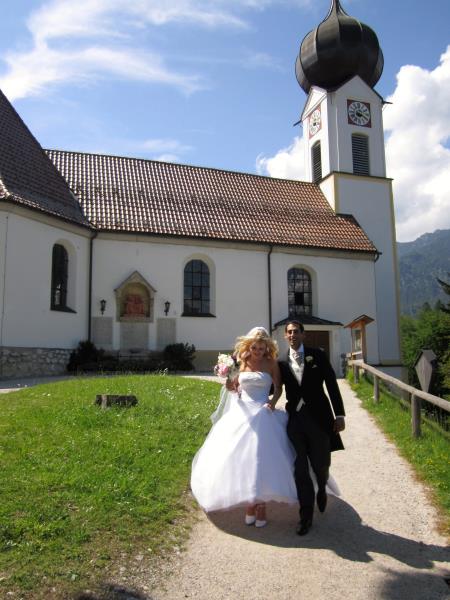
257	334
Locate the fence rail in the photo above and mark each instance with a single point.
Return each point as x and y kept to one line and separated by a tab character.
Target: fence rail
415	394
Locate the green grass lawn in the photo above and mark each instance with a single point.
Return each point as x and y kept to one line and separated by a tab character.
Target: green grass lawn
429	455
81	486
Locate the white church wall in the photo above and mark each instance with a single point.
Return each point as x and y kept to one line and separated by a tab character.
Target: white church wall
328	188
4	222
238	277
321	135
370	201
27	318
340	131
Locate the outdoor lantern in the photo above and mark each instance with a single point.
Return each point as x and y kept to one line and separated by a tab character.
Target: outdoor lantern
102	306
166	307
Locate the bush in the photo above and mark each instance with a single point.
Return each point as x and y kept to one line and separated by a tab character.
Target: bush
178	357
87	358
85	353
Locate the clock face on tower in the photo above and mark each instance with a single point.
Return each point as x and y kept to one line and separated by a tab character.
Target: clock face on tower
358	113
315	122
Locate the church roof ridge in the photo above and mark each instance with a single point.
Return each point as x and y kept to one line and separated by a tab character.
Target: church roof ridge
180	164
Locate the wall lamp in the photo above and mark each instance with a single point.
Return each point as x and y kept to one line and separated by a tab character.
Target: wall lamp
102	306
166	307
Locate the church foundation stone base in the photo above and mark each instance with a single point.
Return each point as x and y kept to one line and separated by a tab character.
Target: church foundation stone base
32	362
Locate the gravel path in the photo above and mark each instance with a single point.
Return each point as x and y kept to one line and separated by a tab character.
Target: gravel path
378	541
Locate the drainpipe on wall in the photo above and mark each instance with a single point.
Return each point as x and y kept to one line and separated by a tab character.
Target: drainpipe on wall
269	276
91	252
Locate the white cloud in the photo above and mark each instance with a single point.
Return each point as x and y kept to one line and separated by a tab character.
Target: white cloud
170	158
287	163
163	149
417	124
165	145
67	34
31	73
260	60
91	39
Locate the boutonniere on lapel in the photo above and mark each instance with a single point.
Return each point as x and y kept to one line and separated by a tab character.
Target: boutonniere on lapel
309	361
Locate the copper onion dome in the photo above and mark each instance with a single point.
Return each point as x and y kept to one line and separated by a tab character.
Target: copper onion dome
337	50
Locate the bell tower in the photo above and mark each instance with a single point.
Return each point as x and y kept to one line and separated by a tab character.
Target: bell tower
338	65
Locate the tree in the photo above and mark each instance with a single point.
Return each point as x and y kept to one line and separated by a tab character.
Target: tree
445	367
430	329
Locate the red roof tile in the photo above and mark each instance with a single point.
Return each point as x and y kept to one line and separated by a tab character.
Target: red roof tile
145	196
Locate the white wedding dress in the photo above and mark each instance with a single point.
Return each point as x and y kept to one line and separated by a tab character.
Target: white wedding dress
247	456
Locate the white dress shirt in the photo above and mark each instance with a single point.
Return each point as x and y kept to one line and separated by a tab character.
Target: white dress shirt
296	367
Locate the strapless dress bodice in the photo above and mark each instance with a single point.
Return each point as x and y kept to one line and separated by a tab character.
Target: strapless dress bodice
255	386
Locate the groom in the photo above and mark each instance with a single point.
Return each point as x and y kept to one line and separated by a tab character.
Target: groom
312	427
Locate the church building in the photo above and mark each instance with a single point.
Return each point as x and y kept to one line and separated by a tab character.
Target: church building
136	254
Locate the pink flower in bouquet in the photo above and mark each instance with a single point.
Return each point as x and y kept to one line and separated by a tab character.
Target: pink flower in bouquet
226	366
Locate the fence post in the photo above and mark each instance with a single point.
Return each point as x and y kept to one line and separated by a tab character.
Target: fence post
376	389
415	416
355	373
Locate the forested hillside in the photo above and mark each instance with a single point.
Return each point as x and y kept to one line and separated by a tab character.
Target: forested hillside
421	262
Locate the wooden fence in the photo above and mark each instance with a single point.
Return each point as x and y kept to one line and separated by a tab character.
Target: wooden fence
416	395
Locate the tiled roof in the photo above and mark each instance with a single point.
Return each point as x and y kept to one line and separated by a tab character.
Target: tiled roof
27	176
145	196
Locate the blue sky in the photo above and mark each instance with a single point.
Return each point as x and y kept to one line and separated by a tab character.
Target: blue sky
212	83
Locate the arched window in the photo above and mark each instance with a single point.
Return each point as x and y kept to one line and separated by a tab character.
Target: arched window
196	289
316	160
299	292
360	154
60	272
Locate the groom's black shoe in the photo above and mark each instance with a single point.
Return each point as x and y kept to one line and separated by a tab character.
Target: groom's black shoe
321	500
304	526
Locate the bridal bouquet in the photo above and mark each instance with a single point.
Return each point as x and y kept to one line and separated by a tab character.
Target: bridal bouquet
227	366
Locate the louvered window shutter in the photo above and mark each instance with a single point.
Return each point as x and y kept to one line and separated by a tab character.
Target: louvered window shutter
360	153
316	162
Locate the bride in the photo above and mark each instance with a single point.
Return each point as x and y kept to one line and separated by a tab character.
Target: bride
247	458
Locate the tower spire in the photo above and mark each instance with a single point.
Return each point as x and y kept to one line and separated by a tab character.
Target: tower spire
339	48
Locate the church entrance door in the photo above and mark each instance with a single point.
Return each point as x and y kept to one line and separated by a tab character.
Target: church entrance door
318	339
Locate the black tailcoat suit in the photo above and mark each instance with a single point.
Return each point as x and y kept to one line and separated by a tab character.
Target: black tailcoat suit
311	428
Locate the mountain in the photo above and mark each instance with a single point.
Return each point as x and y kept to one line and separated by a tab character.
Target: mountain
421	262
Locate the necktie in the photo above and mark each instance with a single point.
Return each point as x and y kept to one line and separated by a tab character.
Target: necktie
299	357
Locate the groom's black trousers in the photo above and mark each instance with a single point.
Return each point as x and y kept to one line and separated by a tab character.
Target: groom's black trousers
310	442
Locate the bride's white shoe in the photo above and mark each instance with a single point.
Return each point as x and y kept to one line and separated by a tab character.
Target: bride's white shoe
260	515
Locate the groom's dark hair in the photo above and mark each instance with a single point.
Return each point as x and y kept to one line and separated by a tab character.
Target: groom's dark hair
294	322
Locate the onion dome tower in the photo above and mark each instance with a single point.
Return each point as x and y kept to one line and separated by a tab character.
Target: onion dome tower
339	48
338	65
